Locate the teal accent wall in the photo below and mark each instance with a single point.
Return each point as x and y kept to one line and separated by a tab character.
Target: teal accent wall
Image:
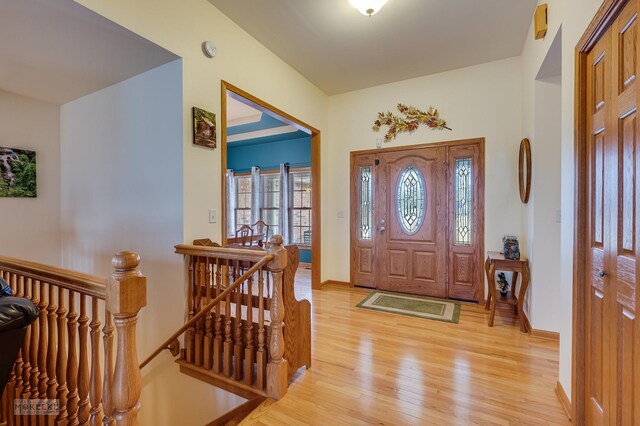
269	155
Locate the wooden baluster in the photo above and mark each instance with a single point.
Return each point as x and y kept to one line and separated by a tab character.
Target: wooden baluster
198	325
217	342
208	340
107	403
189	338
237	348
52	350
83	363
277	379
61	364
228	344
33	349
16	284
261	355
72	361
126	295
95	380
27	285
248	351
42	347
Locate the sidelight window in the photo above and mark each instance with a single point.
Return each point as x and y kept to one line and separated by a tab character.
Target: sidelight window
463	201
366	192
410	199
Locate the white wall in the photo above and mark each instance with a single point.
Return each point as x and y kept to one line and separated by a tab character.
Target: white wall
181	27
573	16
122	189
31	226
479	101
545	309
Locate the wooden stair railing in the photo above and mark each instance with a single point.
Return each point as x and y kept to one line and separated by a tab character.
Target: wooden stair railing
62	358
238	335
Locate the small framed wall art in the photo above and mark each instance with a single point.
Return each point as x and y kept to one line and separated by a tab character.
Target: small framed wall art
204	128
17	173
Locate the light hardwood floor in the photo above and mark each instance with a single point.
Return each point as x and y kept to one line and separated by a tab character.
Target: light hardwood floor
386	369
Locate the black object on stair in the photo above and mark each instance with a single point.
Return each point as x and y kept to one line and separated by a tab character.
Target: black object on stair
16	313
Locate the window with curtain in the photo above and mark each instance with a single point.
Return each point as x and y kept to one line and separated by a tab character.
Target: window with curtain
243	201
270	206
300	207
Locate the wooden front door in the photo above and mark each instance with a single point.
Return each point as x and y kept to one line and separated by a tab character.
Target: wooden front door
412	247
612	337
417	219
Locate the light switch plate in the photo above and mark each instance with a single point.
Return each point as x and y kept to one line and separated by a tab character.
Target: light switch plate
212	216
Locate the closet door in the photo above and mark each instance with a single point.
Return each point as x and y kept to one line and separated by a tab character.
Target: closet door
612	332
599	294
622	168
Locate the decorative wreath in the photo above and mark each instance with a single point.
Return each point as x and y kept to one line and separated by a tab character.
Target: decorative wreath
412	120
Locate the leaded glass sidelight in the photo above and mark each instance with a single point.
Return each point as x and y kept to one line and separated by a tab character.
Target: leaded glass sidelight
463	178
366	192
411	200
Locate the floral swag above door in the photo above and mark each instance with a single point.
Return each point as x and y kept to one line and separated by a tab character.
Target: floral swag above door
413	118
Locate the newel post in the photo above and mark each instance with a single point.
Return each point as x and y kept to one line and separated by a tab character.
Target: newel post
277	379
126	295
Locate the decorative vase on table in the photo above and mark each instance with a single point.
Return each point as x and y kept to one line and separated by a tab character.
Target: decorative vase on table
511	247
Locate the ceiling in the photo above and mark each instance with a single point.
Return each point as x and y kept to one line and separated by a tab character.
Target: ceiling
58	51
340	50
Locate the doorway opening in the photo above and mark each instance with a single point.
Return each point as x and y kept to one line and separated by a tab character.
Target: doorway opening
270	175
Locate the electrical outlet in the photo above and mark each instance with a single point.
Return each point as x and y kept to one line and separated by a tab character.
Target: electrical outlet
212	216
340	214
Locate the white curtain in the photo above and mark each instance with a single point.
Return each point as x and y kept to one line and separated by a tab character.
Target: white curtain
231	202
284	202
256	195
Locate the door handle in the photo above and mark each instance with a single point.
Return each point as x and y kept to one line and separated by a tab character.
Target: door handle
382	225
602	273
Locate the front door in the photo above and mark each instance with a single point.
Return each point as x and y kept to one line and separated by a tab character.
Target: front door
417	220
412	222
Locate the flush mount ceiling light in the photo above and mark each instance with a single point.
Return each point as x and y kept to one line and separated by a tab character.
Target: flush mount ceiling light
368	7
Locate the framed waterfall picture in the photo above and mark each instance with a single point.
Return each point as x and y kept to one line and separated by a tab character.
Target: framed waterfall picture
17	173
204	128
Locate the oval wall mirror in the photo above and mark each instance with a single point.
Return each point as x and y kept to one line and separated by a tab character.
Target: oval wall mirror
524	170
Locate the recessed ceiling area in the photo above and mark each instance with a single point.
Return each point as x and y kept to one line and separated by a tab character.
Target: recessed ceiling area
58	50
246	124
340	50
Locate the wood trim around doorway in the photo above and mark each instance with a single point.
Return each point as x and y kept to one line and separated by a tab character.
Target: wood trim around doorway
315	173
601	22
481	201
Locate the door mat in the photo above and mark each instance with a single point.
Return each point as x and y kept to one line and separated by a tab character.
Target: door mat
415	306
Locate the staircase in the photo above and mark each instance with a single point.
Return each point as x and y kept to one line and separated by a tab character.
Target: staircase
245	332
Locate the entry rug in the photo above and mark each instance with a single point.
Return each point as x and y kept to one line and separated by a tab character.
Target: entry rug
415	306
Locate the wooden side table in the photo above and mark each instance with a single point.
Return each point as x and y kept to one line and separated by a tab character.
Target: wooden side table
496	260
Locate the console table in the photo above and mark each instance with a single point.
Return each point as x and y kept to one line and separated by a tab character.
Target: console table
496	261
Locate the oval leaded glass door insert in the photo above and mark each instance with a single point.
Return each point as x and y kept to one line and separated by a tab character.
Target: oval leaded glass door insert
411	200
